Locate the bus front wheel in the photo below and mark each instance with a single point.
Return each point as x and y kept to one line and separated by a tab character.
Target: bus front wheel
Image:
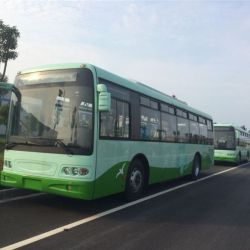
136	181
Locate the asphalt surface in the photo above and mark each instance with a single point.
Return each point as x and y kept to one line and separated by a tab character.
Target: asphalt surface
210	214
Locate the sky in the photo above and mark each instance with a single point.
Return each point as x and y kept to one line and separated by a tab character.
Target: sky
198	51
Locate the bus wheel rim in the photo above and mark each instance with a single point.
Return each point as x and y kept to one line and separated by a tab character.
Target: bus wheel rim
197	170
136	180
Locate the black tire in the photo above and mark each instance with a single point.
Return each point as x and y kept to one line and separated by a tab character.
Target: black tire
239	159
135	181
196	168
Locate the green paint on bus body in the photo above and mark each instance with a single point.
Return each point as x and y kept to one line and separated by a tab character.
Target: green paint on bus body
111	182
68	188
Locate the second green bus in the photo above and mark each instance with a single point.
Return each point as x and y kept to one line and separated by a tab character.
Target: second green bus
232	144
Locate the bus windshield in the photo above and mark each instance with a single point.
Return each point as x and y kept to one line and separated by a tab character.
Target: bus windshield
224	138
55	113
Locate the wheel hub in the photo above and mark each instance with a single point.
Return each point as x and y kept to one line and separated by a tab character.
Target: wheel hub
136	180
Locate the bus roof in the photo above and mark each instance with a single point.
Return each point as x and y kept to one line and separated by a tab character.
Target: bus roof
230	125
130	84
223	125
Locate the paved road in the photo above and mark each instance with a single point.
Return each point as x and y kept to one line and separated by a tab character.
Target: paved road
210	214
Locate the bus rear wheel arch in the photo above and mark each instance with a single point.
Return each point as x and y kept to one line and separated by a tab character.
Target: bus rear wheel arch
137	179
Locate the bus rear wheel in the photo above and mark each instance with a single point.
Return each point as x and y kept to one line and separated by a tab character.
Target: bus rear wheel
239	159
196	168
136	181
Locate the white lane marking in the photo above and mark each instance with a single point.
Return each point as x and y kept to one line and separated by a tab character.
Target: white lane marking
21	198
102	214
6	189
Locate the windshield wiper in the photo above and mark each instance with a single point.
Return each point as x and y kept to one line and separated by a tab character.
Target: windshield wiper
63	146
13	144
58	142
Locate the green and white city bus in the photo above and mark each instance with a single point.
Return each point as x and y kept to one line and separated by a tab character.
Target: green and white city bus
82	132
231	144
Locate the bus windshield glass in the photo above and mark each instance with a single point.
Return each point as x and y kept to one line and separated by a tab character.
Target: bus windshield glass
224	138
54	113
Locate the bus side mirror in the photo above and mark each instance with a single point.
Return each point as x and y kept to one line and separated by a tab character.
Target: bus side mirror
104	98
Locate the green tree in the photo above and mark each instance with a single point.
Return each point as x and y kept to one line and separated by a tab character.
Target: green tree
8	44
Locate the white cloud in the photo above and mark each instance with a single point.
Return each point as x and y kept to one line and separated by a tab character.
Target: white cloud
43	53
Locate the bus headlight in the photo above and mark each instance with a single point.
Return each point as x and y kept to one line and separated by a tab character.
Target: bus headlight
67	171
75	171
83	171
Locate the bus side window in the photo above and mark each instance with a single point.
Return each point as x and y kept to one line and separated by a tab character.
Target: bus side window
107	121
150	124
122	120
168	124
116	122
194	132
203	133
183	129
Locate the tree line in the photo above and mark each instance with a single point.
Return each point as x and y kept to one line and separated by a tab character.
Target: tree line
8	45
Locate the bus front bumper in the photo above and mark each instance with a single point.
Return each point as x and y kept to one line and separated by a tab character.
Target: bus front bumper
225	159
69	188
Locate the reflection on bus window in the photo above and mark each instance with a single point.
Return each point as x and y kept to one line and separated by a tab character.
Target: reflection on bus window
168	124
58	107
150	124
116	122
